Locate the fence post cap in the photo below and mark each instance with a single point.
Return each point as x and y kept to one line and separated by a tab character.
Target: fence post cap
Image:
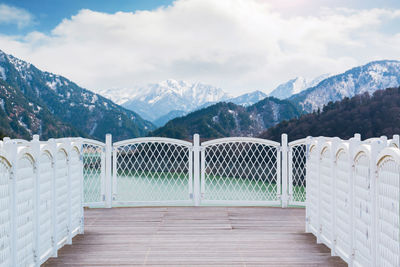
357	136
196	139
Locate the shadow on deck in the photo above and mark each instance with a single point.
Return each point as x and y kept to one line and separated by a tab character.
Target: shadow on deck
190	236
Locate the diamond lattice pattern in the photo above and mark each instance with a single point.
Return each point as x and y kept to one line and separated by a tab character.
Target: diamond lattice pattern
241	171
92	155
298	173
152	171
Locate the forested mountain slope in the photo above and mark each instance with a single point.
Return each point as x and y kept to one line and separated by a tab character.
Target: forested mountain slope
370	116
228	119
68	103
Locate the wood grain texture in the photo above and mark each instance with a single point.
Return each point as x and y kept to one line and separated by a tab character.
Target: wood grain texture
195	236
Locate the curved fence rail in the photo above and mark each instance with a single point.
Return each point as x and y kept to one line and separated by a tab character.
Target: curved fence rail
353	196
40	199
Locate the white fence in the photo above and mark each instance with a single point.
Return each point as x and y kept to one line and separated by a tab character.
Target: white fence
164	171
353	196
40	199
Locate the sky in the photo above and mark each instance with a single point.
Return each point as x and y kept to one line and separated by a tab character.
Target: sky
237	45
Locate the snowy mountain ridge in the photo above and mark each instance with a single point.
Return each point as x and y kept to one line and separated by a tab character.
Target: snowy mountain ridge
368	78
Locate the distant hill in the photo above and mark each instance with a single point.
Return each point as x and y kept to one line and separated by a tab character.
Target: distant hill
370	116
376	75
228	119
62	102
161	121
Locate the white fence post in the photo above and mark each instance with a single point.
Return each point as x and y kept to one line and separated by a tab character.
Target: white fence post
36	212
11	150
321	141
284	173
81	180
69	227
108	177
307	201
196	182
353	143
375	149
335	143
53	145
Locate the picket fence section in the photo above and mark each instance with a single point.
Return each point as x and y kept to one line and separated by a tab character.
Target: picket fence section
40	198
353	197
165	171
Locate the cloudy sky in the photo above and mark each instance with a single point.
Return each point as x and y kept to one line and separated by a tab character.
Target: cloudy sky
238	45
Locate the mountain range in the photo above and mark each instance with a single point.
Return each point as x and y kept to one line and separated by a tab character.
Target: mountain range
364	79
39	102
228	119
169	99
367	78
157	100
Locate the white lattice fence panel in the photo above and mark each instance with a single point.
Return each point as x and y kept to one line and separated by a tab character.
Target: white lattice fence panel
152	171
362	202
93	173
5	214
343	204
76	203
61	197
313	189
241	171
45	204
388	190
326	184
25	212
297	172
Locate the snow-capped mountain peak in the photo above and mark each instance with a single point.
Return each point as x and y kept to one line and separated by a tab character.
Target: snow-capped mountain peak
295	86
155	100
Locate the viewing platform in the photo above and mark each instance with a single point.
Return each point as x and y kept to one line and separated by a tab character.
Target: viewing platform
235	201
195	236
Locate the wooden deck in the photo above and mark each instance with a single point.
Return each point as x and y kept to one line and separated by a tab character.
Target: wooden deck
195	236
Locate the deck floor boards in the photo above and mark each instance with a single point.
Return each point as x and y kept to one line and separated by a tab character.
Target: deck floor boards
195	236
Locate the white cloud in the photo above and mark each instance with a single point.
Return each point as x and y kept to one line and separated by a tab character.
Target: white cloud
239	45
14	15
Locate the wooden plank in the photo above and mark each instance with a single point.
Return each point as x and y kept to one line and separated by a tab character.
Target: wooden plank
195	236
